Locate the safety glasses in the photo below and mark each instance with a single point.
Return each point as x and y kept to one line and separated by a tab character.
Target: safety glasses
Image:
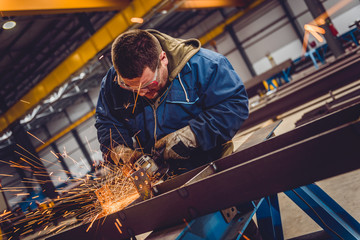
137	88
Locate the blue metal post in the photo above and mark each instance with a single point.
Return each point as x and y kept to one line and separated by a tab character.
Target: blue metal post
213	226
269	220
325	212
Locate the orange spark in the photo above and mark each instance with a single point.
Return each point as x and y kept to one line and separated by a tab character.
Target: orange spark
118	227
137	95
6	175
28	153
117	220
187	224
246	238
137	139
137	20
35	137
126	105
91	223
28	162
315	30
54	154
24	101
22	194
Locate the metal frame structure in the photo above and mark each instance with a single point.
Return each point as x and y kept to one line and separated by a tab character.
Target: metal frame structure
325	212
308	153
268	218
343	71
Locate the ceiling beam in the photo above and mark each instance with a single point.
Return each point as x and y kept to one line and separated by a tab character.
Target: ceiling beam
191	4
78	59
202	4
42	7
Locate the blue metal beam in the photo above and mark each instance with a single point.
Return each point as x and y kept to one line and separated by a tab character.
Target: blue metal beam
325	212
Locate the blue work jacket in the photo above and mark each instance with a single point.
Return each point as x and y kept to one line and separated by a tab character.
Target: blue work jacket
207	94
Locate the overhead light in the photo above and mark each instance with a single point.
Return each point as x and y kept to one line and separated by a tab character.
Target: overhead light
136	20
82	75
9	24
164	12
56	95
5	135
30	116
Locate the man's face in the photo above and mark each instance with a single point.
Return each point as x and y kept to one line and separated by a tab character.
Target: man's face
150	83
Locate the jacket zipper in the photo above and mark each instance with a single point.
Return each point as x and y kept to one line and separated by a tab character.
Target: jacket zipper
155	119
155	106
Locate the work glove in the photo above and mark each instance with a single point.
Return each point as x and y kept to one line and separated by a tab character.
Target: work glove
177	145
127	155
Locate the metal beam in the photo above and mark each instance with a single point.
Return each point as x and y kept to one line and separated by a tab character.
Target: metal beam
293	21
326	212
201	4
38	7
241	49
340	73
246	178
317	9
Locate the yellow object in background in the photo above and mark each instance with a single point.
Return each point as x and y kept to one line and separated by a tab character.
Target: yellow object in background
272	84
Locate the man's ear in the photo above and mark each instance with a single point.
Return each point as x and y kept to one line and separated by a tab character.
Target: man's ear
163	58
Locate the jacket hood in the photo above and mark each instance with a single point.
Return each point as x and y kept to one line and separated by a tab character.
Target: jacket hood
178	51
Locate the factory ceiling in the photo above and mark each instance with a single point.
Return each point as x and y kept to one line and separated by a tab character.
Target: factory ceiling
45	36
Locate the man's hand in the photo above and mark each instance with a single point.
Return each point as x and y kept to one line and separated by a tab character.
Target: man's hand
177	145
127	155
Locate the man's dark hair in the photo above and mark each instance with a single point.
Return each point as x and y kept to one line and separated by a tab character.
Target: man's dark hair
134	50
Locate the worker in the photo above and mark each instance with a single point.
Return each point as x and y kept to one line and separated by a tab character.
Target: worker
169	96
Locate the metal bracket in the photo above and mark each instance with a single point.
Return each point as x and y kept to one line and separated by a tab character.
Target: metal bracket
142	183
229	214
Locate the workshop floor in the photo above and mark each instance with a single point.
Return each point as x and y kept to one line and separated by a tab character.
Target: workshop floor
344	189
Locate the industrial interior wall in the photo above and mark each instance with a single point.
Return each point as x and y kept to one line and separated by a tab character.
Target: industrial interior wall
73	156
57	123
265	31
88	136
268	31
